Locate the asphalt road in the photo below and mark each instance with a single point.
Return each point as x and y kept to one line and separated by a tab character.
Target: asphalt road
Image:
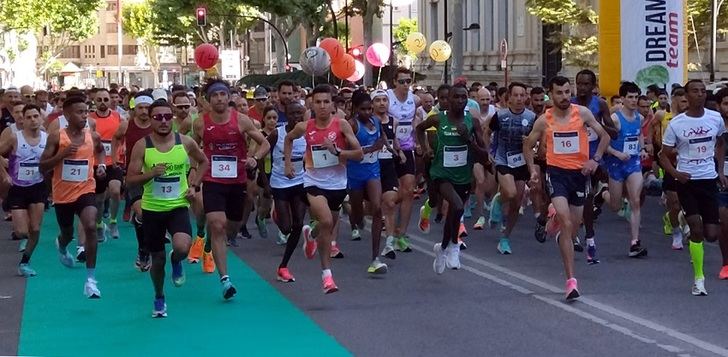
495	305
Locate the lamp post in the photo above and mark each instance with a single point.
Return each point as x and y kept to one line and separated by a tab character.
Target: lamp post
715	9
457	51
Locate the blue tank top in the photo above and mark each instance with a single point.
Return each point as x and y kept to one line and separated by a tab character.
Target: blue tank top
512	128
368	167
628	138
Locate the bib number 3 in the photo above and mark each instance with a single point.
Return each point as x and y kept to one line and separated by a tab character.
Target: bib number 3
455	156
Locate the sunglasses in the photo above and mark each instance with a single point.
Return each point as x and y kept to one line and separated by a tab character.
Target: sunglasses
182	106
261	99
404	81
29	96
163	117
105	100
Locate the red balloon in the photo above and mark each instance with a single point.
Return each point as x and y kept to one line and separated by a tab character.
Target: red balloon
345	67
206	56
333	47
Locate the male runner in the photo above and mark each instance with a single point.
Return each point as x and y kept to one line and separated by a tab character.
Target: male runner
160	162
324	180
181	105
722	98
563	129
509	126
223	132
693	139
71	153
28	193
538	100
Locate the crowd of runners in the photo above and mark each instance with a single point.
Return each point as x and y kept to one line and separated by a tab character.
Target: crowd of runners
305	157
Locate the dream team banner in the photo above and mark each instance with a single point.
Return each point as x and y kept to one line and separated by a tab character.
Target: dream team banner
644	41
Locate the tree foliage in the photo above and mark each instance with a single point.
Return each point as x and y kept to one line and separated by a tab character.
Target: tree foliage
403	29
578	40
140	22
699	13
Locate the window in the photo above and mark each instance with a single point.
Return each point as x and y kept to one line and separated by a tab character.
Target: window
130	49
111	27
474	19
111	6
103	51
89	51
112	50
503	22
487	26
71	52
434	16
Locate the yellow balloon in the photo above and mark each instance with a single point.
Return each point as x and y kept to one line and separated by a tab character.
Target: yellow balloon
440	51
416	42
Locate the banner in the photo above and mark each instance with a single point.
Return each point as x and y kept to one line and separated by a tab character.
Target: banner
643	41
230	64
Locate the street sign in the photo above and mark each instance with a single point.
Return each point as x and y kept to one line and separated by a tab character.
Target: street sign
504	53
230	64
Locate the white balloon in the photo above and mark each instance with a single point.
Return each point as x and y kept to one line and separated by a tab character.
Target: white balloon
315	61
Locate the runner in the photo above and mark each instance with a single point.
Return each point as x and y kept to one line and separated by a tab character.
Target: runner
485	183
623	164
722	98
459	145
28	193
182	105
325	177
509	126
537	100
692	139
71	153
160	162
223	132
128	133
563	129
264	198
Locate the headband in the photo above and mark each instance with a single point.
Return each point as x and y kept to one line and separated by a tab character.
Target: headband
378	93
143	100
217	87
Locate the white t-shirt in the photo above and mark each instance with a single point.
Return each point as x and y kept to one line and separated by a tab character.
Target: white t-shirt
694	139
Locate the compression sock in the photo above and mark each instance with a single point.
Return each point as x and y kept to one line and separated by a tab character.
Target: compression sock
697	253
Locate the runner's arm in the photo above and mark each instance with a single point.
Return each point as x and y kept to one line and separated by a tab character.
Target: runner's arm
604	137
134	174
7	141
116	140
198	126
478	145
99	153
294	134
536	134
421	131
246	126
609	126
355	151
200	162
51	156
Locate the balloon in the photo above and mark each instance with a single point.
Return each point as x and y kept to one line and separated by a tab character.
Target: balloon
206	56
416	42
440	51
345	68
333	47
358	72
315	61
377	54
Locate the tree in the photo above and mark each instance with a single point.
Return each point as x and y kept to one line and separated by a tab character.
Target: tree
367	9
139	21
578	41
699	13
403	29
61	22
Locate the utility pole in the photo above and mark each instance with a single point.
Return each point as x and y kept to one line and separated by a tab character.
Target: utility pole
457	39
715	7
445	76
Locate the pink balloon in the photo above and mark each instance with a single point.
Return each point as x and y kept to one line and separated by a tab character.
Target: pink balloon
358	72
377	54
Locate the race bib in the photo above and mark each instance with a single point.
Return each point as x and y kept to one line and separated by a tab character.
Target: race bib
631	146
107	147
404	131
297	163
166	188
592	134
725	168
515	159
700	148
455	156
566	142
322	157
224	166
28	171
385	153
74	170
371	157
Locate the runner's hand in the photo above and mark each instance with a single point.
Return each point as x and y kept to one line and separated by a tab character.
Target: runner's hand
159	170
250	163
622	156
101	171
682	177
723	181
589	167
329	145
190	193
288	170
379	144
70	150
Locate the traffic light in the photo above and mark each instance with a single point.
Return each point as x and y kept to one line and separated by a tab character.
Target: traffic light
201	16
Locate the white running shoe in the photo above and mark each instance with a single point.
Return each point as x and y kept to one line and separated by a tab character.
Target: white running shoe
440	256
452	256
699	287
91	290
388	250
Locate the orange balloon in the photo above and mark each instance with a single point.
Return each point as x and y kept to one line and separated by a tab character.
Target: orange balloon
333	47
345	67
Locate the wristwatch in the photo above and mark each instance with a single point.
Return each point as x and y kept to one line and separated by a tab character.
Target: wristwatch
596	158
338	152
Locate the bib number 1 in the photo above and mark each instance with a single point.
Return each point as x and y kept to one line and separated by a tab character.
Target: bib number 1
322	157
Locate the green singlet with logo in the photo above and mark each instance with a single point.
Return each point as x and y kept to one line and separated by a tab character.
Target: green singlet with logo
452	161
166	192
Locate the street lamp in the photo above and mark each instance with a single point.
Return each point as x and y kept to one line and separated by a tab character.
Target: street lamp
448	36
392	4
715	7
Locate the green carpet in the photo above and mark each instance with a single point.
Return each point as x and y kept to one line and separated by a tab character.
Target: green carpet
59	321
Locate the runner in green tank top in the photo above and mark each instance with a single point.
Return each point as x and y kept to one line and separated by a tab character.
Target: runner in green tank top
161	162
459	145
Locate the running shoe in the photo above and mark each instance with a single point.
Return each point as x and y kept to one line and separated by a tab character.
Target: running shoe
91	290
440	257
101	232
388	250
196	250
504	246
282	238
723	275
114	230
244	233
329	285
540	232
496	216
666	225
478	226
591	254
468	212
377	267
285	276
402	244
462	232
684	226
335	251
577	244
309	243
178	272
160	308
677	243
21	246
208	262
424	222
63	255
25	270
355	234
462	244
627	211
262	227
143	263
232	241
452	256
572	291
80	254
636	250
699	287
228	289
